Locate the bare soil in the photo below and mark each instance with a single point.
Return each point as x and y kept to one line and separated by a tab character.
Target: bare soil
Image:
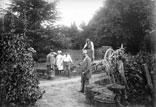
63	92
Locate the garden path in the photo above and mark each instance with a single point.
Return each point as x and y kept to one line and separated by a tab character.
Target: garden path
63	92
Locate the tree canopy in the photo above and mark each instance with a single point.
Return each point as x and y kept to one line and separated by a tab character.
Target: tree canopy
36	19
120	21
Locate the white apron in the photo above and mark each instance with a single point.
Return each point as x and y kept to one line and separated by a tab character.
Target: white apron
59	62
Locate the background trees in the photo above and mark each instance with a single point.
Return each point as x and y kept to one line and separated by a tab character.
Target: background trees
120	21
117	22
31	23
39	17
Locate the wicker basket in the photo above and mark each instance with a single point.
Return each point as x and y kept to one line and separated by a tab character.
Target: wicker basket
116	87
102	101
89	96
100	90
103	81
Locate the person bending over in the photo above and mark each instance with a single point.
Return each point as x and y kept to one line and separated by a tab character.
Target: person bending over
89	46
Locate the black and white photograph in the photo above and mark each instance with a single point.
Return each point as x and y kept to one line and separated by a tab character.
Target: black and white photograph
77	53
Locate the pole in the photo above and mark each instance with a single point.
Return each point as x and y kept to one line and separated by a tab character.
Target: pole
153	51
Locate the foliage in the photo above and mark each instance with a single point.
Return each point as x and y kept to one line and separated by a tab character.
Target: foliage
19	84
120	21
68	36
36	18
138	90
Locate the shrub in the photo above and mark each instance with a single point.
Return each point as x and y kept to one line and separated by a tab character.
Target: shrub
138	89
19	85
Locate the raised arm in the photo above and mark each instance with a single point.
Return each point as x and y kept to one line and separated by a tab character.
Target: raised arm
85	46
92	46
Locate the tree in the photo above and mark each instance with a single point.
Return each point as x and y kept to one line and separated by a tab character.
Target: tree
22	23
68	35
18	81
120	21
39	17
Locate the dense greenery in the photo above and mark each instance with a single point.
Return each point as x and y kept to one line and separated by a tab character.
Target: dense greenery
20	28
120	21
31	23
18	82
138	90
132	84
36	19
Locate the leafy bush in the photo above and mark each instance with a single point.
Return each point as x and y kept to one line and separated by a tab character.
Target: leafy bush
18	82
138	88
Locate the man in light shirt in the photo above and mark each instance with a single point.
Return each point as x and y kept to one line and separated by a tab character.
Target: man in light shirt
89	46
67	63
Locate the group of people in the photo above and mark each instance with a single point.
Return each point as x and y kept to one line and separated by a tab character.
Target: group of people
58	62
62	61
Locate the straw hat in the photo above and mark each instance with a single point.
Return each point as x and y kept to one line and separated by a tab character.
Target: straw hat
54	53
31	49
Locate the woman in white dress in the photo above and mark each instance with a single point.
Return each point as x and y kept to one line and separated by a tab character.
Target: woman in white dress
59	61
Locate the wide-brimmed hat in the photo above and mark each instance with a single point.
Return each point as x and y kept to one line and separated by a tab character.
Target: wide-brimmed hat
54	53
31	49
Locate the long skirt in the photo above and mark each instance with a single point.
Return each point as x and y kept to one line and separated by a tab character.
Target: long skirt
60	65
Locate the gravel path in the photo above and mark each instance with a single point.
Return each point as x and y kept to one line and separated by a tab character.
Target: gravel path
63	92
